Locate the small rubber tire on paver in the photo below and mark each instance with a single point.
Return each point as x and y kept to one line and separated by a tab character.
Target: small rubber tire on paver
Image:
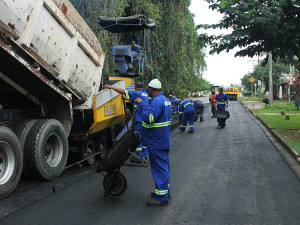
101	146
11	161
87	149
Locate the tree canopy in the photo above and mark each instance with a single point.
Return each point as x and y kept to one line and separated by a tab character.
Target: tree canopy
174	54
261	72
258	26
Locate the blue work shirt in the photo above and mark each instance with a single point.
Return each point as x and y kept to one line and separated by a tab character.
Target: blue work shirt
136	44
222	99
132	95
173	99
185	107
198	105
156	122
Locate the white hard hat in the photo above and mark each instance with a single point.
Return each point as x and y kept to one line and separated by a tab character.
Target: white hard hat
155	83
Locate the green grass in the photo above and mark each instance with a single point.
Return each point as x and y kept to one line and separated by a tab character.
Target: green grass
249	99
277	107
279	121
291	137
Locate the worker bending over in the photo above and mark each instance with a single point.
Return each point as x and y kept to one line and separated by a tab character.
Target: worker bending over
186	114
199	109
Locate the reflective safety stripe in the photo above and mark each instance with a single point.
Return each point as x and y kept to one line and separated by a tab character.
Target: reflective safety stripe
151	118
135	45
126	95
184	126
192	126
144	147
180	112
162	192
138	149
153	125
187	104
221	103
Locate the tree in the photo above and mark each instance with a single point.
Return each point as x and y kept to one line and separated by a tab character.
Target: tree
174	53
258	26
245	81
261	72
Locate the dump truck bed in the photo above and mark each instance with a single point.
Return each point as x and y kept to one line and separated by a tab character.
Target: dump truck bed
56	36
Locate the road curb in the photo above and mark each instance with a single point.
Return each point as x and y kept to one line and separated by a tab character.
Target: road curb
278	138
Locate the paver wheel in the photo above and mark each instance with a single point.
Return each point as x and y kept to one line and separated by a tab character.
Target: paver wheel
114	183
101	146
46	149
11	161
87	149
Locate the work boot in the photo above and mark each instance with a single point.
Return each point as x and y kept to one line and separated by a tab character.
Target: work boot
182	129
153	195
201	119
154	202
191	131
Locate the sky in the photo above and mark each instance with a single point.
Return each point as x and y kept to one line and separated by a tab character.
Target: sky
222	69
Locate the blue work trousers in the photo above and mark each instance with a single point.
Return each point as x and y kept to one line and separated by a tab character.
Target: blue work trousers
200	112
142	150
188	117
160	168
213	110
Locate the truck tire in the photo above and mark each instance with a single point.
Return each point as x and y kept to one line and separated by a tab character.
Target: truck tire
22	131
46	149
101	146
11	161
86	149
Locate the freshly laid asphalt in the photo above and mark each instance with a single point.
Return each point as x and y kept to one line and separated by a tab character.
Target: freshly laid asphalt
233	175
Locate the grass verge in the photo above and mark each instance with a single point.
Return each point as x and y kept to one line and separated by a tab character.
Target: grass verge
277	107
288	130
291	137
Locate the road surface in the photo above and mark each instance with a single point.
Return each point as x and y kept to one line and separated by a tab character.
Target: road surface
219	176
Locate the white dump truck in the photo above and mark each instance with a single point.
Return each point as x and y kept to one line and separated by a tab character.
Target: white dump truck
51	97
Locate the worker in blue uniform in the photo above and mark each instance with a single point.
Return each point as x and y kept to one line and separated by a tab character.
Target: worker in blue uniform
199	109
186	115
135	49
156	137
221	101
174	104
132	95
135	46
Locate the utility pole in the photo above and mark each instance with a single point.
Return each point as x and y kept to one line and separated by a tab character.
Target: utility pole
270	80
259	88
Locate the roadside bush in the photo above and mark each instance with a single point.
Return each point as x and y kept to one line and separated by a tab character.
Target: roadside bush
183	93
247	93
